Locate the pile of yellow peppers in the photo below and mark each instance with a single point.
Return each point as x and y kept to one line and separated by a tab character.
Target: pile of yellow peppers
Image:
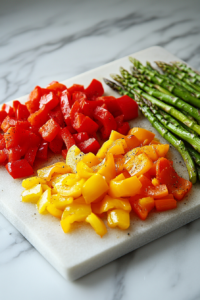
87	186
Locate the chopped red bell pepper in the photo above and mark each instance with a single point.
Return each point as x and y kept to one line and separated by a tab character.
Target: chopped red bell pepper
71	129
57	115
3	115
111	103
75	88
128	107
65	105
56	86
56	144
124	129
64	153
15	105
78	96
80	137
3	156
34	99
19	168
49	130
50	101
165	204
7	108
23	124
39	117
90	145
2	144
12	137
119	120
31	155
106	119
42	151
67	137
76	108
15	153
7	123
88	107
84	123
94	90
21	112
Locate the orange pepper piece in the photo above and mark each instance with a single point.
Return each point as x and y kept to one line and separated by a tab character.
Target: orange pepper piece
166	204
142	134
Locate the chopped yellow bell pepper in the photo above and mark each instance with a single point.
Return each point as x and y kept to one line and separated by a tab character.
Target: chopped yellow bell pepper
74	155
109	203
131	140
74	191
90	160
54	211
94	188
71	179
61	202
44	201
103	150
45	187
97	224
32	195
120	218
58	167
32	181
66	223
142	134
118	147
78	209
138	165
83	170
108	168
124	188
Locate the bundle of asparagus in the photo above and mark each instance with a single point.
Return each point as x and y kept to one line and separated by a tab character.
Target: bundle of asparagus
170	101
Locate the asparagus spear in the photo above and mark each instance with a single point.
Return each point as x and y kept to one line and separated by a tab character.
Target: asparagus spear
167	108
186	83
186	69
194	154
177	143
185	95
164	97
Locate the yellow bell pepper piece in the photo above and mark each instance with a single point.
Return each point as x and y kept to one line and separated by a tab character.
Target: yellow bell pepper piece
32	195
138	165
58	178
32	181
103	150
58	167
74	191
54	211
45	187
77	208
155	181
119	177
109	203
161	149
124	188
97	224
74	155
90	160
66	223
114	135
142	134
94	188
79	200
108	168
120	218
118	147
44	201
61	202
83	170
150	152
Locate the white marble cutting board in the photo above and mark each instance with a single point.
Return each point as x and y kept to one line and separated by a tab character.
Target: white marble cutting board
82	251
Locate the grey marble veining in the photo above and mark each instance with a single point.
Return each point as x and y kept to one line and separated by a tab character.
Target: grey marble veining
41	41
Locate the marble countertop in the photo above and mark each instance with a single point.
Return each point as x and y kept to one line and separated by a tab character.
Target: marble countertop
41	41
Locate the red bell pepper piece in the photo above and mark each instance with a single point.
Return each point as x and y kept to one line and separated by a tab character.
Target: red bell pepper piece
84	124
42	151
78	96
2	144
12	137
34	99
64	153
57	115
23	124
39	117
88	107
176	185
76	108
21	112
15	153
128	107
65	105
49	130
19	168
111	103
3	115
3	156
106	119
15	105
80	137
67	137
50	101
124	129
90	145
71	129
94	90
56	144
7	123
1	136
31	155
165	204
56	86
7	108
149	190
75	88
119	120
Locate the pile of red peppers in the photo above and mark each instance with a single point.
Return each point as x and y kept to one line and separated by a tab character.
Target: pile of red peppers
57	118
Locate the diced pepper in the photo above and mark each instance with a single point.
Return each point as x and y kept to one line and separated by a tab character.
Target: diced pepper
44	201
94	90
74	191
166	204
21	112
32	181
119	164
61	202
83	170
64	153
90	145
42	150
67	138
3	156
117	147
49	130
128	107
56	86
8	109
74	155
65	105
80	137
54	211
142	206
124	188
142	134
107	169
104	148
106	119
109	203
82	210
56	144
33	194
97	224
138	165
49	101
57	115
124	129
90	160
78	96
7	123
149	190
19	168
39	117
161	149
84	124
94	187
34	99
120	218
76	88
58	167
3	115
31	155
